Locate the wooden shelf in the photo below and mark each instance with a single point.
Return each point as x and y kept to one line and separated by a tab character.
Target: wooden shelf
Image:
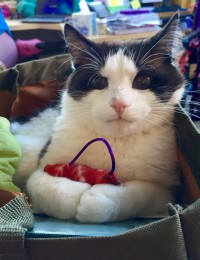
17	25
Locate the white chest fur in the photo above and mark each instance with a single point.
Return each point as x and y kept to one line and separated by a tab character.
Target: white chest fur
148	156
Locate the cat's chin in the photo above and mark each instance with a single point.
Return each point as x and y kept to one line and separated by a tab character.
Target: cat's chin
120	121
118	128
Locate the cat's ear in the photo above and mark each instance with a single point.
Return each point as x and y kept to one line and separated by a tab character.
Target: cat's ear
168	40
78	46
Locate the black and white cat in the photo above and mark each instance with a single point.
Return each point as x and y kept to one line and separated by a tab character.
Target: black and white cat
124	92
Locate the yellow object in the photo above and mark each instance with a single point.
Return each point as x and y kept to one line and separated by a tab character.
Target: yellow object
184	3
114	3
135	4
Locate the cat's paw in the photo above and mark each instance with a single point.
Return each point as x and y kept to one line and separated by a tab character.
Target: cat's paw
55	196
95	207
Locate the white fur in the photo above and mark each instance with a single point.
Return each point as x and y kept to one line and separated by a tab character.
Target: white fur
32	137
143	142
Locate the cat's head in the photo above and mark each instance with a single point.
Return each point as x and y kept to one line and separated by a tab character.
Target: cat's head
118	88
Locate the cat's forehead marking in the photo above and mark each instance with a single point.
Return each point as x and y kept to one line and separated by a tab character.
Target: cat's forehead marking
119	65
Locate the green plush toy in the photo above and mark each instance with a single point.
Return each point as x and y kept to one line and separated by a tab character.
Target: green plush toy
10	154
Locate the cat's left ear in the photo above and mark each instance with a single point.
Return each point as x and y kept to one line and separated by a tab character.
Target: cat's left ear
78	46
168	40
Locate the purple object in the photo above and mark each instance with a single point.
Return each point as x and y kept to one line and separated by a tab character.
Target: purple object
8	50
109	150
197	15
136	11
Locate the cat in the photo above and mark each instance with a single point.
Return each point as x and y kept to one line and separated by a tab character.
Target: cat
125	92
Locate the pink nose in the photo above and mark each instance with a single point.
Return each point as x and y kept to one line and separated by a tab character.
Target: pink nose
119	105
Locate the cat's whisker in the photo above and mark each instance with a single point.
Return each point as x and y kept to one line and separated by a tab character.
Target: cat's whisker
79	115
94	75
85	66
193	115
88	66
77	94
99	57
161	39
152	123
82	67
146	66
93	62
181	111
140	50
91	59
169	38
155	54
80	118
193	102
61	84
193	91
194	110
89	53
163	120
159	114
130	53
151	61
62	65
166	107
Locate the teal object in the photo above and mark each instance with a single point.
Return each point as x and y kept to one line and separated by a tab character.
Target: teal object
76	7
26	7
51	227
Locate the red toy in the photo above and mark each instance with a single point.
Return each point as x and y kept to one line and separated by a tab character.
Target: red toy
84	173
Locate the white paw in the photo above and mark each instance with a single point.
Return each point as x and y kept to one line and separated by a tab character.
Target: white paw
95	207
55	196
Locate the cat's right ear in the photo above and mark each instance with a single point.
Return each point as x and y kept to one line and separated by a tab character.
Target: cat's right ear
168	40
78	46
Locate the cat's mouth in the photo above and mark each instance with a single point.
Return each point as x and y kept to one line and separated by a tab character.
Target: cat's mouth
119	120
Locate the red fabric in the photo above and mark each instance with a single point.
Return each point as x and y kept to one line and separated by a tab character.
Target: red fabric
81	173
34	96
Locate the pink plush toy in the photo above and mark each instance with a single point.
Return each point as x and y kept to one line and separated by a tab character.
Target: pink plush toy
28	48
5	10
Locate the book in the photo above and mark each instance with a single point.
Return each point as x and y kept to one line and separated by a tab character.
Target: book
137	29
127	24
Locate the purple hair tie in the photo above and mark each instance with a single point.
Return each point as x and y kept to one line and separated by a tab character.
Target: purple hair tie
109	150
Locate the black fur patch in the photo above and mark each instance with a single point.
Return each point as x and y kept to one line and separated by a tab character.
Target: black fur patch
153	58
87	74
27	118
43	151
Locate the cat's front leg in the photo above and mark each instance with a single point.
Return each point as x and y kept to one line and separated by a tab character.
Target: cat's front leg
105	203
55	196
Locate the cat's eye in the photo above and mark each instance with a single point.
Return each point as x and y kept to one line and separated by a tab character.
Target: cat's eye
142	81
99	83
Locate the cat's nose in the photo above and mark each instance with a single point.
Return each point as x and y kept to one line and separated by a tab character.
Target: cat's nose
118	105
